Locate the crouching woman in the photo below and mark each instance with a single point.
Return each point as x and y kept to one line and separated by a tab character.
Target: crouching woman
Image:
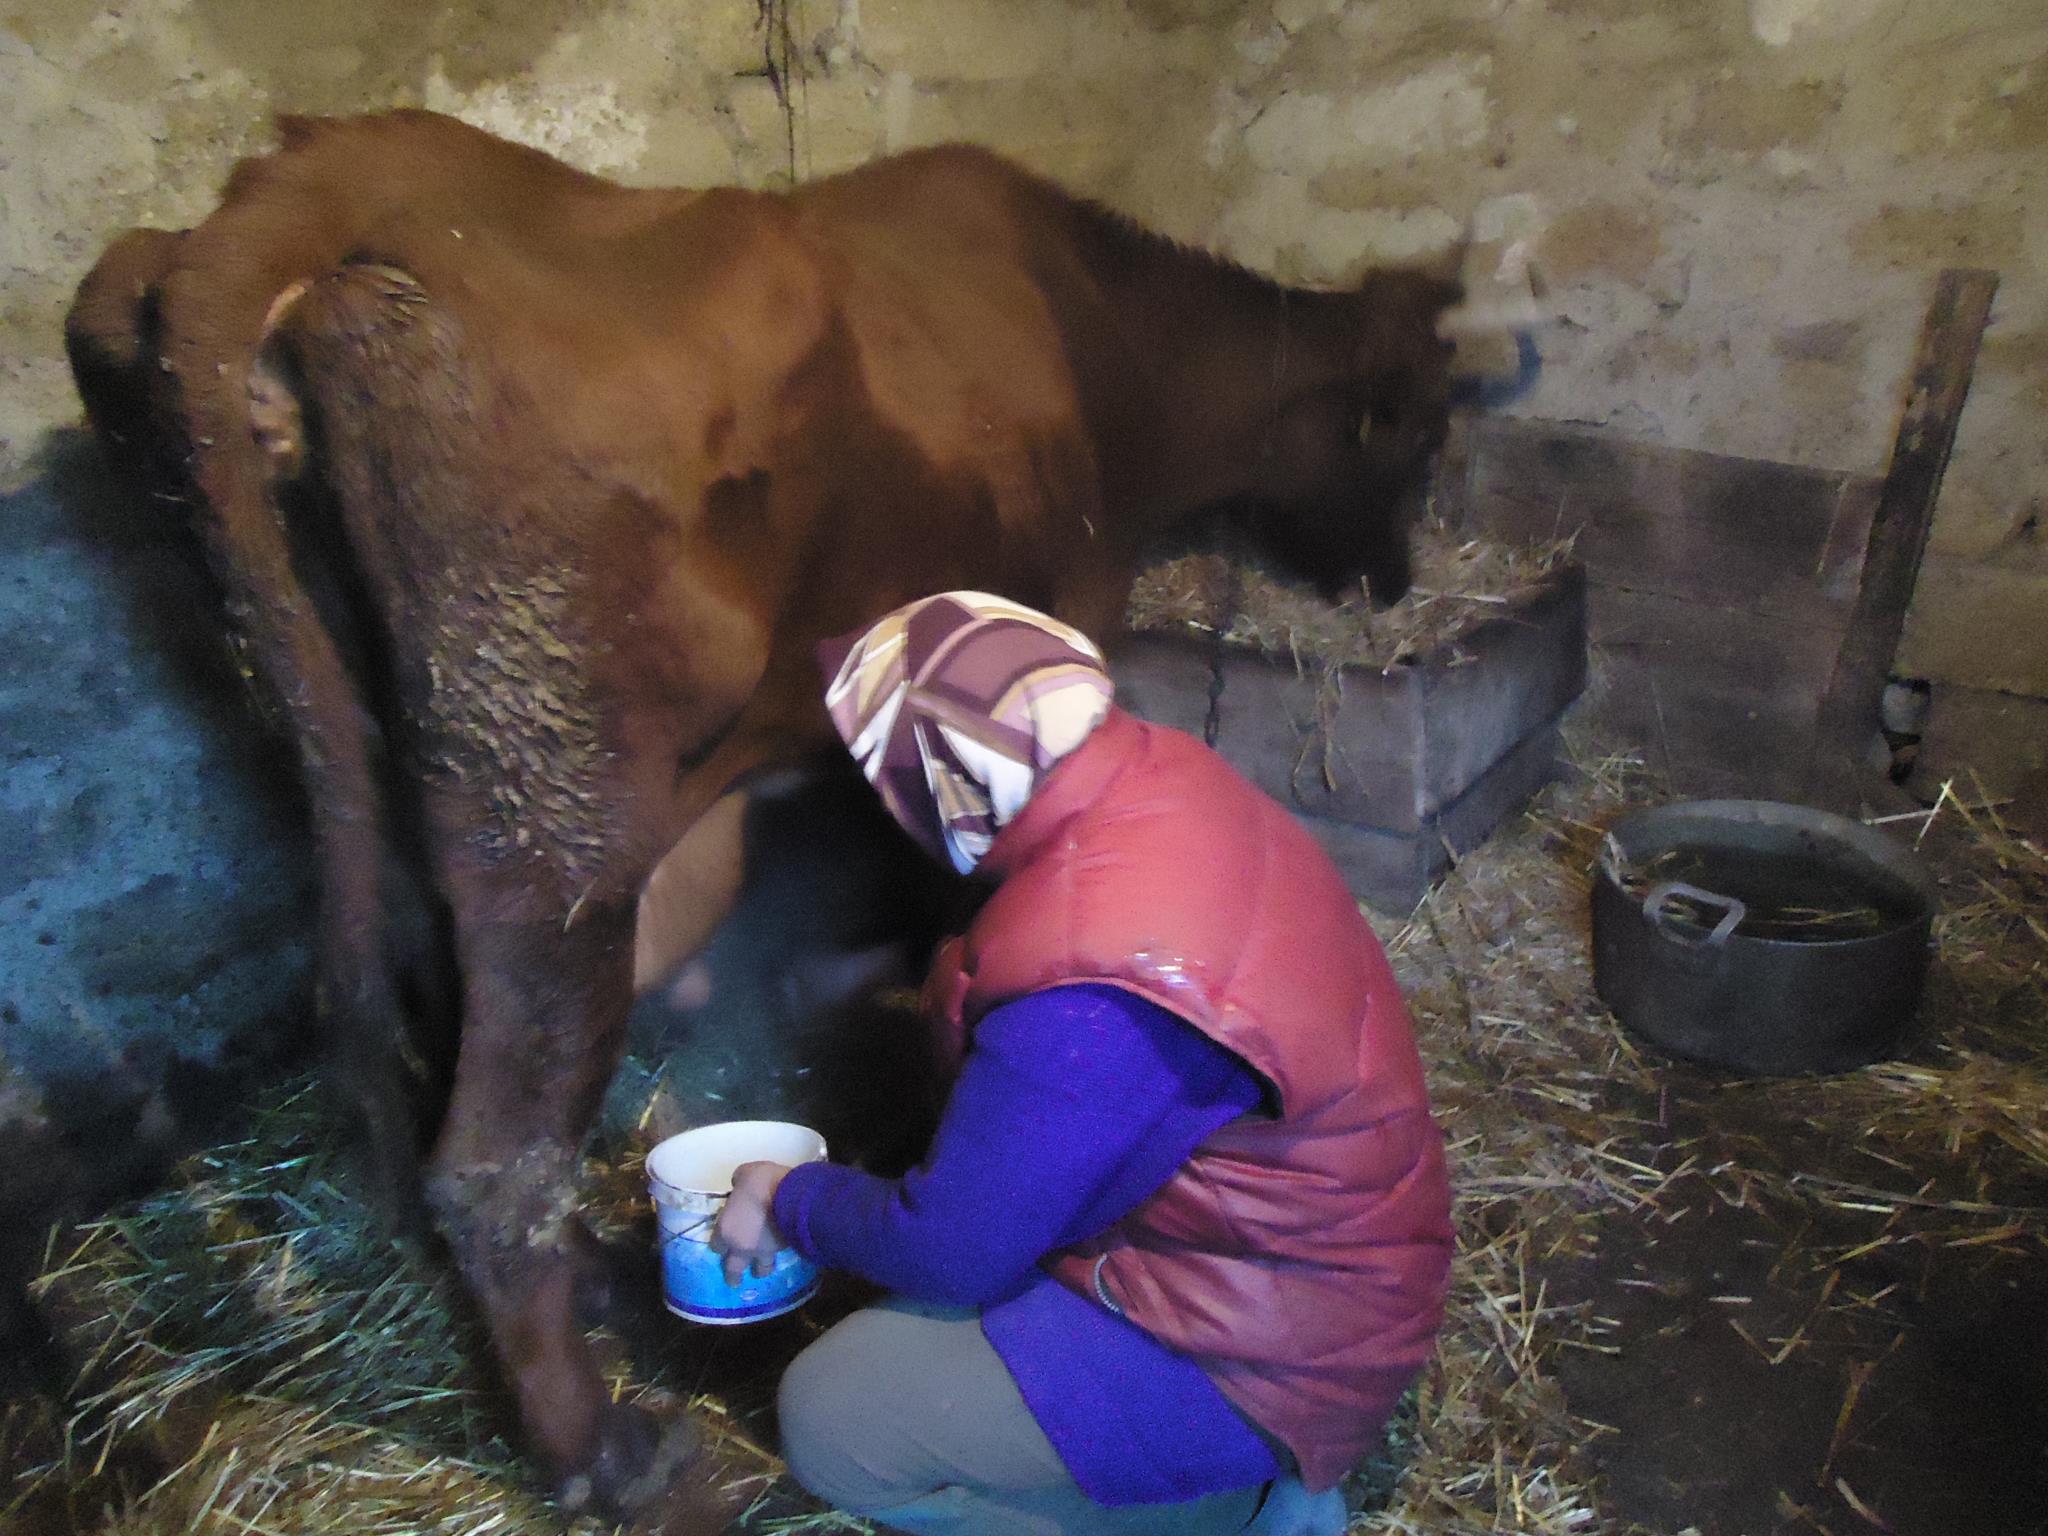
1180	1242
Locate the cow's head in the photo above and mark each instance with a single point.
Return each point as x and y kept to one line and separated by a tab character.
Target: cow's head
1423	349
1343	457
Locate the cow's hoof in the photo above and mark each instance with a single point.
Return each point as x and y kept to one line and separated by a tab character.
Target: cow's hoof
637	1460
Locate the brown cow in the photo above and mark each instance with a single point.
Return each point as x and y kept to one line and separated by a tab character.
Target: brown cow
531	496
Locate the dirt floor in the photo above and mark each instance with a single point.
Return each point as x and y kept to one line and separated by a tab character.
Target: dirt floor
1819	1304
1683	1303
1771	1377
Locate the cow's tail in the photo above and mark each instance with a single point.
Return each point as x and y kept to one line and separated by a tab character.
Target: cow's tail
275	231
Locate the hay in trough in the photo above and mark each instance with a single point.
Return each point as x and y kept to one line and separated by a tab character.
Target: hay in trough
253	1358
1458	583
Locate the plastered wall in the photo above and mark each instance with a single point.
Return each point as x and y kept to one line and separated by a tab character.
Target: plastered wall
1737	206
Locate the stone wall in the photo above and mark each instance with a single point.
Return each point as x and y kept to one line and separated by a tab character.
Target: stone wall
1737	208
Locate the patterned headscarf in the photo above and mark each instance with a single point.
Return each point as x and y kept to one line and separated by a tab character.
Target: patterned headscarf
956	706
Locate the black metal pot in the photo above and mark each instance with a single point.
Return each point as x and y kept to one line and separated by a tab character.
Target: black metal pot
1759	936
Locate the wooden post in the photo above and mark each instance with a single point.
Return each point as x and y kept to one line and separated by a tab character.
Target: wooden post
1451	477
1940	380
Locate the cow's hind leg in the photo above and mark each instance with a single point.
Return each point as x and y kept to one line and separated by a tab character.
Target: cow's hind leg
544	1025
466	602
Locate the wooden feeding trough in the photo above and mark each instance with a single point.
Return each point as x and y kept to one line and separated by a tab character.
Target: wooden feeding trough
1401	739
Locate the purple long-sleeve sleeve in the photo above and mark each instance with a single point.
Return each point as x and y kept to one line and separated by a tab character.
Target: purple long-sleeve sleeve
1069	1110
1073	1105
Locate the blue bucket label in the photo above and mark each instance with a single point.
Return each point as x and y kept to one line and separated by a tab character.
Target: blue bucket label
693	1284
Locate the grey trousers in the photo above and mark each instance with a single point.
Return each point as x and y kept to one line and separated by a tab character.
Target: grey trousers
904	1414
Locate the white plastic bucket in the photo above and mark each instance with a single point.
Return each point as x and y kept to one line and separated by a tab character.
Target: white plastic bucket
690	1177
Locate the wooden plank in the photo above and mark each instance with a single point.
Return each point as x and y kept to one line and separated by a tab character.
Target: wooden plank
1163	679
1502	790
1283	730
1450	483
1502	681
1720	700
1385	749
1392	870
1938	385
1774	538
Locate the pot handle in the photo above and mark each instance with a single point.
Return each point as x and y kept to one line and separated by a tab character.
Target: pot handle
1657	912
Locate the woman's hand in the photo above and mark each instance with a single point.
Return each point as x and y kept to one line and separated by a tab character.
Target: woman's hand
745	1232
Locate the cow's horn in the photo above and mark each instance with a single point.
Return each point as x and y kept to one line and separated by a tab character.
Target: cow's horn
1493	326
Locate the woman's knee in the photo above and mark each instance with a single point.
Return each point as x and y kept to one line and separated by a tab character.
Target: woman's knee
834	1432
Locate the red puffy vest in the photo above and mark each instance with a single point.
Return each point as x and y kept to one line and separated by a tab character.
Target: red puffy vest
1299	1257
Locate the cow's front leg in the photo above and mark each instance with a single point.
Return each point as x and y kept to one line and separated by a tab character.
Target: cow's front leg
544	1019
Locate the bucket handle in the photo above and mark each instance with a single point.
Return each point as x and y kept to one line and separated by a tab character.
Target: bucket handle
696	1226
1657	912
702	1221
